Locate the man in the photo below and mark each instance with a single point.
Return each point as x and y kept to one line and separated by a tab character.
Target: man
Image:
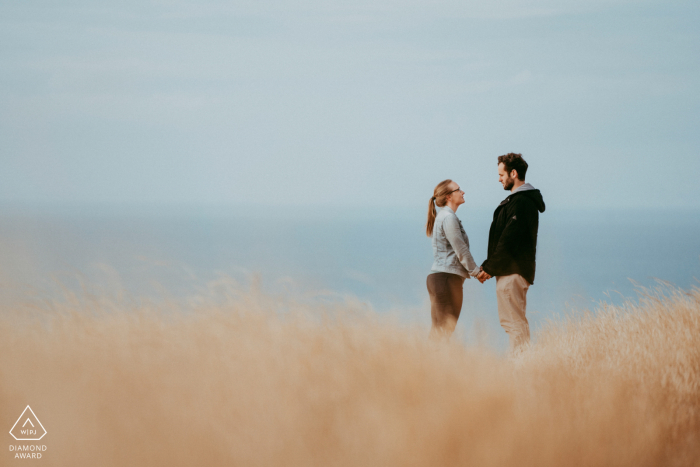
512	247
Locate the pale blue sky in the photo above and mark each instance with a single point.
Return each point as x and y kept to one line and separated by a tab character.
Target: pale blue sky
350	103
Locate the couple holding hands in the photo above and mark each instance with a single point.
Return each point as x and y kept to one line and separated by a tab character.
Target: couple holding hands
510	259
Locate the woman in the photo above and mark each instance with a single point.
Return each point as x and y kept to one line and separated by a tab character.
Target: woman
453	261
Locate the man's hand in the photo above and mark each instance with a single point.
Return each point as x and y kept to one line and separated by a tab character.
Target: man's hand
483	276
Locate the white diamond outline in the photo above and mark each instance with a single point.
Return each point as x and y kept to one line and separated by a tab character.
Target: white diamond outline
20	418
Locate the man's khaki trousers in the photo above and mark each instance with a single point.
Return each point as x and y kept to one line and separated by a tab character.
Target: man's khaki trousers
511	294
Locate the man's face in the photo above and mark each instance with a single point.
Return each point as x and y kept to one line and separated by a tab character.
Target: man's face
506	179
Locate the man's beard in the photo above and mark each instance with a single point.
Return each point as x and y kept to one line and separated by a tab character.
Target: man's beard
508	185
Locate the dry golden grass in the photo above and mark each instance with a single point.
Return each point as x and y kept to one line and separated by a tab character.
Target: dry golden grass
252	380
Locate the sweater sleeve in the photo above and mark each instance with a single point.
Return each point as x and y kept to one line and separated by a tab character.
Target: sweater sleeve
453	232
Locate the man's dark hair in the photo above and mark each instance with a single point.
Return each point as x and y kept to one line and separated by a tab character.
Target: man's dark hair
513	161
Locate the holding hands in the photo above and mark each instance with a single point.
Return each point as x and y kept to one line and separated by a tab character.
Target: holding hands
483	276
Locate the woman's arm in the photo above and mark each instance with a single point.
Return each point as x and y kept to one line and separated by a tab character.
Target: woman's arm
454	236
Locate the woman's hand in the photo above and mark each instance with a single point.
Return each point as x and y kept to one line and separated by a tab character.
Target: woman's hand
483	276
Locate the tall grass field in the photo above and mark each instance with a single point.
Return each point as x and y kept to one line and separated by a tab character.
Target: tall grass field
245	378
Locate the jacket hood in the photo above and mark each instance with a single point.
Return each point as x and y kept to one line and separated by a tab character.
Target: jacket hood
532	193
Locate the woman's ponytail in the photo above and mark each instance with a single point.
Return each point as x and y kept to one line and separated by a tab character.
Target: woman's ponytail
439	194
432	212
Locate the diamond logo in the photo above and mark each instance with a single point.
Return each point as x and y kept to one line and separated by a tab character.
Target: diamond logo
28	427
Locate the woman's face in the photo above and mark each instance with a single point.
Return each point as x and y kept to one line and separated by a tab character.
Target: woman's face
457	195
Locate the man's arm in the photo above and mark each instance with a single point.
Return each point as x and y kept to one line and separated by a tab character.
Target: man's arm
506	248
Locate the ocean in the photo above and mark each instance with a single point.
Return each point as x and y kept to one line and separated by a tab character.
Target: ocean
379	257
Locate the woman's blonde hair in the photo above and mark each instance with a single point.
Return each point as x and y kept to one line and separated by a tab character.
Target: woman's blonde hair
442	190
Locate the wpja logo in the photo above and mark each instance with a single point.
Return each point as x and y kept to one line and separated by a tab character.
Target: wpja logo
28	428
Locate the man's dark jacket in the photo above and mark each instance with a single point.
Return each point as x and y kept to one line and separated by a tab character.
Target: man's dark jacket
513	235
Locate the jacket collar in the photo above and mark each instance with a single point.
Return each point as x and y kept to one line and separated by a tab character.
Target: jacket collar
523	187
520	189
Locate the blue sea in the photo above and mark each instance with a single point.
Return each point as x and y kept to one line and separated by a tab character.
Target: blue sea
378	256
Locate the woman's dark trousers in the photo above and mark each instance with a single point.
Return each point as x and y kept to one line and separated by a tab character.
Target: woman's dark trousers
445	291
